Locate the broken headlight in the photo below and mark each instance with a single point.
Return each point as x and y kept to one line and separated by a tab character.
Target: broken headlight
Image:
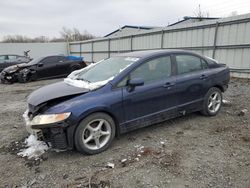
49	118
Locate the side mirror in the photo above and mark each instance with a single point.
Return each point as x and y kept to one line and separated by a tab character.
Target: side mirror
132	83
40	64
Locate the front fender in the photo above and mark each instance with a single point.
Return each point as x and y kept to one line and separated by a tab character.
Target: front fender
104	109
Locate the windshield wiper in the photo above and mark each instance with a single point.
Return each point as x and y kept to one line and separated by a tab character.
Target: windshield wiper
83	80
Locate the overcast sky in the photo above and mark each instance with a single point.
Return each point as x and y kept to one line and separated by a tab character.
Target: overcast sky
47	17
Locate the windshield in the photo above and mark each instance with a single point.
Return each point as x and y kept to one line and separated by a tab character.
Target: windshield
35	61
106	69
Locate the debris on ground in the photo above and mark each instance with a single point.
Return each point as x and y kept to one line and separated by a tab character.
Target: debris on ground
246	138
110	165
180	132
123	160
65	176
242	112
226	102
35	148
15	146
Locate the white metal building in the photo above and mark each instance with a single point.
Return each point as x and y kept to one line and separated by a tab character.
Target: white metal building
226	39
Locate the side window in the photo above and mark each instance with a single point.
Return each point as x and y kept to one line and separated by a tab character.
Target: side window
123	82
153	70
2	58
204	64
50	60
189	63
61	58
12	57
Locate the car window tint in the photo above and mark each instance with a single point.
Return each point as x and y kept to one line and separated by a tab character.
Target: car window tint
2	57
11	57
61	58
50	60
204	64
156	69
188	63
123	82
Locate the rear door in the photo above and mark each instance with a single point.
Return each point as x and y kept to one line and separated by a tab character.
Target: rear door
153	102
193	80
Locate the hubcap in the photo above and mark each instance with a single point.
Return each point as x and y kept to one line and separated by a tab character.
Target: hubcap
214	102
96	134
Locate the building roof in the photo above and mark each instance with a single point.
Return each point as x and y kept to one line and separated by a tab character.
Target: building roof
190	18
131	26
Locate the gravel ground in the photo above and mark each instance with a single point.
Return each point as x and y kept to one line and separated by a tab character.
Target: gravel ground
191	151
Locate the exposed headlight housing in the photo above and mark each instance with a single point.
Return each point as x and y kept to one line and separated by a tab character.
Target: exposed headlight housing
49	118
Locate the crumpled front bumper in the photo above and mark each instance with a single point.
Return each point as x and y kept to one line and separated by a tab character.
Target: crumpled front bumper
55	134
7	78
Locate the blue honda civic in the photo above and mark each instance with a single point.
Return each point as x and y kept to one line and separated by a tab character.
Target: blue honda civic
122	93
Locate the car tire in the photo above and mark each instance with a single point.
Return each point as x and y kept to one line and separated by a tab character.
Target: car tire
212	102
95	133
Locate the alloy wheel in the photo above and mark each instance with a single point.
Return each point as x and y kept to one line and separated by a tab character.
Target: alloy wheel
96	134
214	102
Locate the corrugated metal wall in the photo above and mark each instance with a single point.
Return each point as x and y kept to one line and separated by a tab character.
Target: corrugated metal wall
227	40
36	49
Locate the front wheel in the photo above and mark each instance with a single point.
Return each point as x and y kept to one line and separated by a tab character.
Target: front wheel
95	133
24	76
212	102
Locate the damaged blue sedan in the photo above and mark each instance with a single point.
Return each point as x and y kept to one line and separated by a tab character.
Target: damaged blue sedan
122	93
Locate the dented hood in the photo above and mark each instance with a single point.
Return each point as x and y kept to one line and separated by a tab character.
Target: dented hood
53	91
16	67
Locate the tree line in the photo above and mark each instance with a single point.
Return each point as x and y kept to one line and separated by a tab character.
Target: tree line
66	35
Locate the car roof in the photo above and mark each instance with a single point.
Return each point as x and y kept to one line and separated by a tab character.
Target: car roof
148	53
9	54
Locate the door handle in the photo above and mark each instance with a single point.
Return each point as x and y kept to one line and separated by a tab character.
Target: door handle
203	77
168	85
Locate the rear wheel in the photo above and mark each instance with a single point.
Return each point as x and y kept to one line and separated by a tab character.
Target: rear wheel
95	133
212	102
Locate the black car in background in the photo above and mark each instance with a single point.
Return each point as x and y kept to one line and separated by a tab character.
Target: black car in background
12	59
42	68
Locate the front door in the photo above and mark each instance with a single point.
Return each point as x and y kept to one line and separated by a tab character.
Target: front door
48	67
153	102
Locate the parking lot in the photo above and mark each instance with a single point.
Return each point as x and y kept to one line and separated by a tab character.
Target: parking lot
191	151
